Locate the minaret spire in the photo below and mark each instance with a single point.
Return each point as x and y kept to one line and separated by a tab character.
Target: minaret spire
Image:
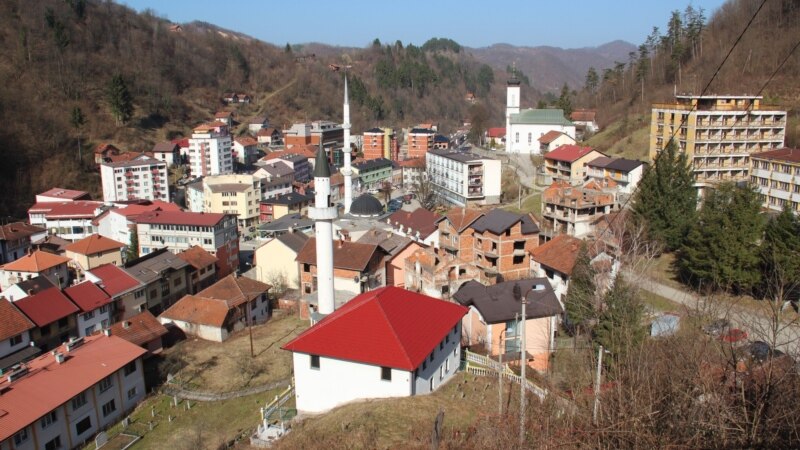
347	171
323	213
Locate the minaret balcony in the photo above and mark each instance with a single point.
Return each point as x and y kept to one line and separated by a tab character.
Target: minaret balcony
326	213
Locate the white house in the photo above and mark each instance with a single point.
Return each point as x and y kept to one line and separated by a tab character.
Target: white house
626	173
384	343
117	223
195	196
70	220
32	265
555	260
142	177
96	307
168	152
275	259
15	335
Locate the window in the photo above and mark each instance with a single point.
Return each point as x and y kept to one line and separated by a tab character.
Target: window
441	345
89	315
78	401
516	139
447	365
21	437
130	368
139	294
45	330
424	365
48	419
109	408
131	393
15	340
177	282
431	384
315	362
105	384
253	306
386	373
53	444
88	331
431	357
306	268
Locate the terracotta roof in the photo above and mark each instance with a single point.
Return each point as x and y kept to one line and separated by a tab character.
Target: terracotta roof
17	230
234	291
46	307
94	244
223	115
496	303
568	153
180	218
181	142
114	280
591	194
782	154
196	257
132	211
52	242
389	327
246	141
14	322
210	126
420	220
461	218
558	253
36	261
496	132
583	115
66	194
49	384
346	255
139	329
105	147
87	296
413	162
132	159
84	209
550	136
198	310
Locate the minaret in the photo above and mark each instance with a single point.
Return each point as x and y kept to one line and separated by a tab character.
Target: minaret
346	170
512	105
323	213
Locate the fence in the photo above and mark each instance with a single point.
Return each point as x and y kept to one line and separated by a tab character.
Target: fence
492	368
212	397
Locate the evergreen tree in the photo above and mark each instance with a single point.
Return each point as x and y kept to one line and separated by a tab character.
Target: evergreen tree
592	79
619	328
133	247
288	48
581	300
780	256
119	99
666	199
721	248
564	102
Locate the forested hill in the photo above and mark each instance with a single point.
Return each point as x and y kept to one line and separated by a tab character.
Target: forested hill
58	59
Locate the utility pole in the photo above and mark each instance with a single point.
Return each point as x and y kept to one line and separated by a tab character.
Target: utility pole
597	385
523	362
500	376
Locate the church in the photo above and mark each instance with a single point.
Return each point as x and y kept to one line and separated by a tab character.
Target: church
524	128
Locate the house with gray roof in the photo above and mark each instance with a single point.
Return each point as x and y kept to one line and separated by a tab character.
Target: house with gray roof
626	173
165	276
275	260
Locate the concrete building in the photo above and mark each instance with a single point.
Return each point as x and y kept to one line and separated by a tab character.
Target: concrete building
381	143
384	343
96	307
626	173
572	210
237	195
201	270
298	163
16	239
419	225
373	173
552	140
276	179
419	141
526	127
776	175
210	150
718	133
585	121
276	259
568	163
128	293
142	178
356	267
164	275
554	260
503	241
168	152
70	220
94	251
462	178
283	205
244	150
32	265
119	223
59	195
54	315
15	336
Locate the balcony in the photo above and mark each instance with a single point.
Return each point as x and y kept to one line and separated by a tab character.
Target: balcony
476	170
476	181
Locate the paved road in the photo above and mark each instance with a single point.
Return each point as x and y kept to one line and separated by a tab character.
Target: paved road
783	332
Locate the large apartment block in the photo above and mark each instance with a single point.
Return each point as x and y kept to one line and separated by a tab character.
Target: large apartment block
210	150
719	133
380	143
463	178
419	142
776	175
142	178
239	195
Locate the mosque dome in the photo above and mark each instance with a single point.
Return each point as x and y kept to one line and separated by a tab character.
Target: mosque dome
366	206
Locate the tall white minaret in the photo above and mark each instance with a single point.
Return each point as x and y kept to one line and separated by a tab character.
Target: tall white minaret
346	170
512	105
323	213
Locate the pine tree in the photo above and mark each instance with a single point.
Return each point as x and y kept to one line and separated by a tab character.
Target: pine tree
564	102
721	248
780	256
666	199
119	99
581	300
133	247
619	328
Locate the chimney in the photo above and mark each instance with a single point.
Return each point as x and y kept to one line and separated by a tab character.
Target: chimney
126	324
59	357
107	331
341	242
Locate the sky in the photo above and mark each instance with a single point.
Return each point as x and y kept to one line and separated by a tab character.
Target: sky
356	23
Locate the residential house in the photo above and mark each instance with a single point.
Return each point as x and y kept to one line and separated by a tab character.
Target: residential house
380	143
30	287
384	343
496	137
257	123
267	137
397	249
276	178
282	205
329	134
585	123
179	230
62	399
210	150
104	152
96	307
554	139
195	202
412	173
128	293
419	225
94	251
216	312
168	152
164	275
245	150
555	260
51	244
143	330
71	220
286	224
119	223
236	97
493	319
58	195
437	274
32	265
526	127
16	238
236	195
571	210
626	173
419	142
568	163
775	175
441	142
275	259
357	267
225	117
299	164
54	315
373	173
201	268
142	177
15	336
503	241
463	179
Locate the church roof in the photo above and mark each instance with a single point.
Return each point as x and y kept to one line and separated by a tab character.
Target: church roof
541	117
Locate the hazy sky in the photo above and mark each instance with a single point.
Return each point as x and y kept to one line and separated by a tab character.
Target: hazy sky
560	23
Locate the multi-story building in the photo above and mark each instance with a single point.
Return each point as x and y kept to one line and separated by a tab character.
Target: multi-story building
776	175
164	275
62	195
463	178
298	163
357	267
210	150
718	133
180	230
568	163
238	195
571	210
201	270
15	336
34	264
276	178
412	172
142	177
168	152
128	293
380	143
70	220
54	315
419	142
96	307
372	173
276	207
245	150
117	222
626	173
84	386
94	251
16	238
503	241
329	134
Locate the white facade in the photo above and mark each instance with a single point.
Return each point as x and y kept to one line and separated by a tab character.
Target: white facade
464	179
195	197
95	320
142	178
178	238
512	107
558	281
23	341
115	226
12	277
524	137
336	382
210	151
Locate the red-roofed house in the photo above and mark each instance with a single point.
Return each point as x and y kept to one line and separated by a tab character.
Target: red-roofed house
384	343
496	136
419	225
585	122
555	260
127	292
97	307
60	400
554	139
201	271
16	239
70	220
117	223
15	336
143	329
357	267
61	195
104	152
93	251
33	265
568	162
245	150
53	314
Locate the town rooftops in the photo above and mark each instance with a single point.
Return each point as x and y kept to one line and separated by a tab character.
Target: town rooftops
51	244
139	160
568	153
180	218
196	257
165	147
458	155
36	261
412	162
277	169
497	221
46	307
294	240
461	218
346	255
212	305
93	244
551	136
590	194
49	384
558	253
601	162
541	117
420	220
18	230
132	211
372	164
624	165
61	194
14	322
87	296
497	304
391	243
284	223
290	198
583	115
139	329
234	291
223	115
389	327
83	209
106	147
37	284
782	154
210	126
496	132
150	267
114	280
245	141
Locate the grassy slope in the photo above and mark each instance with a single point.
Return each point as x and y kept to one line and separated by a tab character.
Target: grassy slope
627	139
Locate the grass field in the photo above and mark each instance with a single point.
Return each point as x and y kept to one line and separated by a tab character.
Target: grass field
530	204
628	140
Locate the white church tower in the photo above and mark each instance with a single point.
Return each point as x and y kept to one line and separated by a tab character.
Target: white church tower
323	213
512	107
347	171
